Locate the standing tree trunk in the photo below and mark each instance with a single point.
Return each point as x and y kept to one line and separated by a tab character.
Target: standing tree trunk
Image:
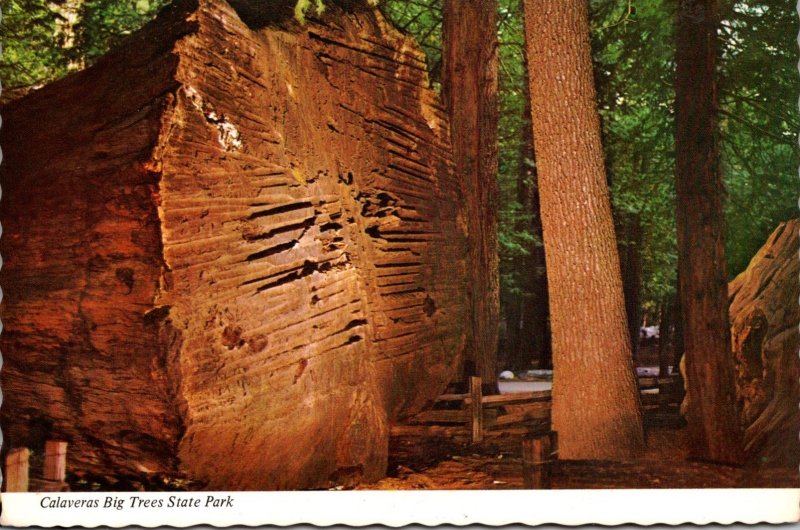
629	234
596	408
677	337
711	415
664	326
470	92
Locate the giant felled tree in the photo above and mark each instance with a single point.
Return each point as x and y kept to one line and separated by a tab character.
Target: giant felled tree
469	83
711	395
196	276
596	407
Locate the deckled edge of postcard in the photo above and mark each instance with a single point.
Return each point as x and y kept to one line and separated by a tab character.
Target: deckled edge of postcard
2	441
397	508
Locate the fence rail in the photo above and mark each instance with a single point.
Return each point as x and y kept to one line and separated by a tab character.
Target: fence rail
502	410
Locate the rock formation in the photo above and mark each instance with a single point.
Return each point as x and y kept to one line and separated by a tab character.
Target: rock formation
233	253
764	329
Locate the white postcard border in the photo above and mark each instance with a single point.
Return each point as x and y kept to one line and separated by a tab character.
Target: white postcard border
399	508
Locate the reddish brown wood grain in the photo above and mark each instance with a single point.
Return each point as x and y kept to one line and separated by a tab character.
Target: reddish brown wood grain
765	338
236	254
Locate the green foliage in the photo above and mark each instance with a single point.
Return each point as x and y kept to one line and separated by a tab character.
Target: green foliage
516	167
105	23
759	122
302	7
45	39
634	64
634	70
634	53
423	20
32	51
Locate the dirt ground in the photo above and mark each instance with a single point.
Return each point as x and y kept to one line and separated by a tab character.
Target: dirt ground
439	462
450	461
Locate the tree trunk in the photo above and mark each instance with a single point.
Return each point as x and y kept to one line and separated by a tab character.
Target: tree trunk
470	92
629	233
595	411
231	246
765	344
712	413
69	16
677	336
664	325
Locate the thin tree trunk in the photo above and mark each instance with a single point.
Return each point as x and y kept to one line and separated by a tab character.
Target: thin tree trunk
470	92
597	413
68	17
664	325
712	416
677	337
509	353
629	232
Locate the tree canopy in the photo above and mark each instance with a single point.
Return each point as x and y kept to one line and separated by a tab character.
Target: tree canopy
634	70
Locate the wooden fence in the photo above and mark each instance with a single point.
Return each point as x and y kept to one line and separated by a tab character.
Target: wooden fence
526	412
479	413
54	474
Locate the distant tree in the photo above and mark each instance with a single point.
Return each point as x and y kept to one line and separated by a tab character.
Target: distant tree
43	40
469	87
527	312
596	407
711	392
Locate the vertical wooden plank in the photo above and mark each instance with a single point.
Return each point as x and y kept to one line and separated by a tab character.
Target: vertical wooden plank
17	469
537	452
545	461
55	461
528	452
476	394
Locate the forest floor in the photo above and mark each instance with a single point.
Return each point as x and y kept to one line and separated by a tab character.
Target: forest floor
448	461
438	462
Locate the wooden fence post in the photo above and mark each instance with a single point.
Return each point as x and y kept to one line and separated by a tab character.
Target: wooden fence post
538	452
55	461
17	469
476	394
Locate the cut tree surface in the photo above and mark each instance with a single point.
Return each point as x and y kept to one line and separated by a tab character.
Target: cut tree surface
764	330
231	253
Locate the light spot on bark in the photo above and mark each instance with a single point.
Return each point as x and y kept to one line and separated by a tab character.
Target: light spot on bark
298	176
229	137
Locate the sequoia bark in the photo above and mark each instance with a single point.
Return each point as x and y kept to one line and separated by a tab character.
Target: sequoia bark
764	327
469	86
712	413
232	253
596	412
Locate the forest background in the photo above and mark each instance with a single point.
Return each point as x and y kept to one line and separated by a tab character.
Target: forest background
634	65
